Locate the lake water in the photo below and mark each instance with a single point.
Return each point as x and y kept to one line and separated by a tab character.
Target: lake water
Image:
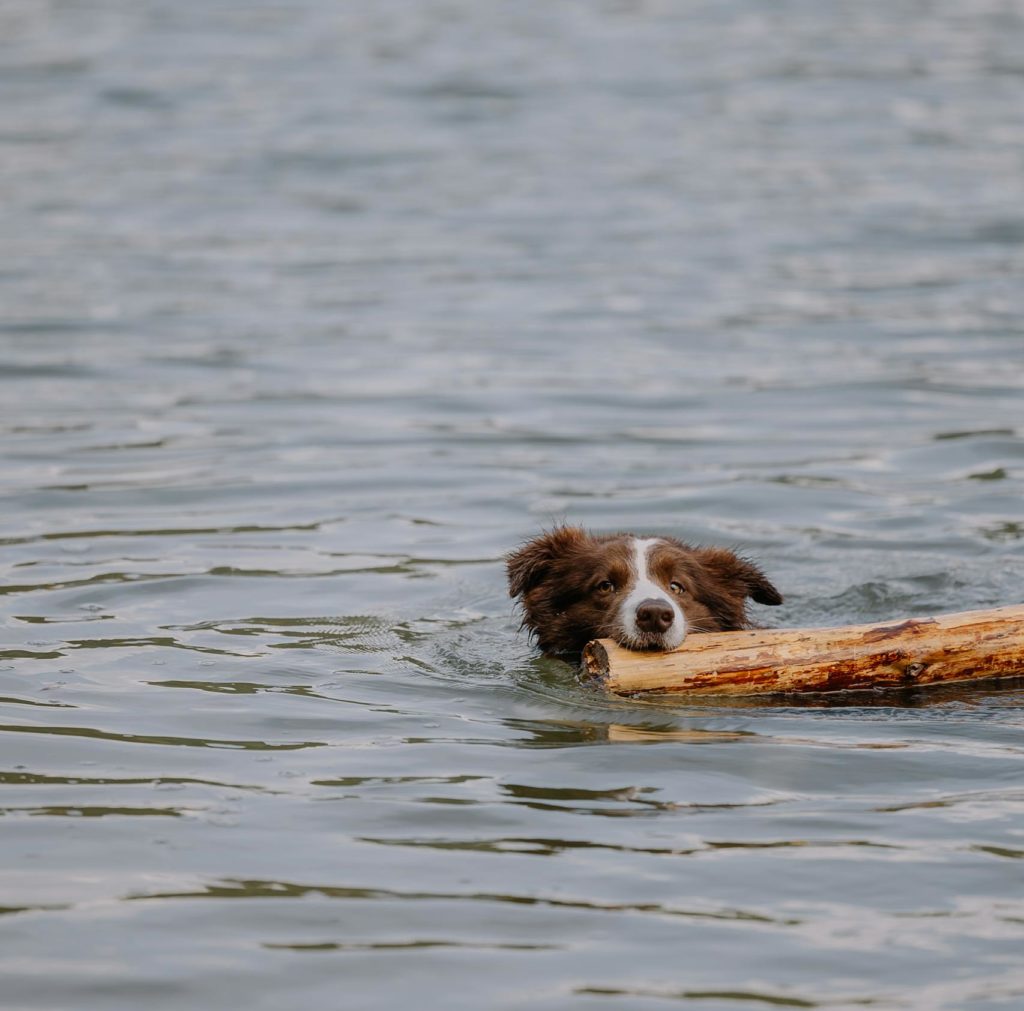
312	310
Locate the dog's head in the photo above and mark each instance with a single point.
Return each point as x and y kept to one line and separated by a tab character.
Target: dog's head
645	593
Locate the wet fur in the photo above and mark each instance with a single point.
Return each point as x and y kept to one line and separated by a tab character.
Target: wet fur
556	578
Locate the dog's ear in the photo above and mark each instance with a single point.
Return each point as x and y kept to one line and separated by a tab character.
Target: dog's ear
731	570
529	564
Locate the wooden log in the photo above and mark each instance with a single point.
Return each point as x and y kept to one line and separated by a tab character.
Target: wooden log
918	651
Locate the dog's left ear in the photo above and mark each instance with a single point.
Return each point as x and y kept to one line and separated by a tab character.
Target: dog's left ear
732	570
529	565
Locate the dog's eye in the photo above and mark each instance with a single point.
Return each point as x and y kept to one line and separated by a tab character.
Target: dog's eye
605	586
677	588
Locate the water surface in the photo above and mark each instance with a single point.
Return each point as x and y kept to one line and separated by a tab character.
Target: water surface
311	311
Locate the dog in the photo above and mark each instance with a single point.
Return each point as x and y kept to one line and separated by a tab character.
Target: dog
646	593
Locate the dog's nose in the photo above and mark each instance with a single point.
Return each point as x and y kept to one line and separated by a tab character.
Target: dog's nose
654	616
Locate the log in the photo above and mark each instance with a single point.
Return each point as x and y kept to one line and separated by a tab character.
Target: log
946	648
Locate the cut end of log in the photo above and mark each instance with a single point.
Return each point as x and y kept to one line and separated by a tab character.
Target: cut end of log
595	663
968	646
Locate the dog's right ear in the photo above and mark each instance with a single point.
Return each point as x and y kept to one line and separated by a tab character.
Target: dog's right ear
528	566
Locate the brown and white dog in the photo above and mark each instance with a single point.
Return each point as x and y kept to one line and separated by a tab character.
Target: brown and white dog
643	592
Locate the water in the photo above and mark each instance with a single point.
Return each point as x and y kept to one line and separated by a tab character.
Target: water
310	311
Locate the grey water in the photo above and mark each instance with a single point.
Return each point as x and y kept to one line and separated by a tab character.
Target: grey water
310	311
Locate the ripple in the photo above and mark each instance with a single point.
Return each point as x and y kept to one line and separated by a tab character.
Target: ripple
8	701
168	741
415	945
974	434
264	889
740	996
67	811
557	847
248	528
19	778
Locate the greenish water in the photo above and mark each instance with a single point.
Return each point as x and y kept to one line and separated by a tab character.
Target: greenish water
311	311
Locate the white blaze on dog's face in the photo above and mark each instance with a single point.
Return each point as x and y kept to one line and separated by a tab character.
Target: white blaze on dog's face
648	614
645	593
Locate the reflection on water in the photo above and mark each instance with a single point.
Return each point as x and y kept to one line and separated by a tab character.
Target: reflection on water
312	311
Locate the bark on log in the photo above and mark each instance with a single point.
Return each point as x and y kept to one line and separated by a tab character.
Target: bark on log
918	651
